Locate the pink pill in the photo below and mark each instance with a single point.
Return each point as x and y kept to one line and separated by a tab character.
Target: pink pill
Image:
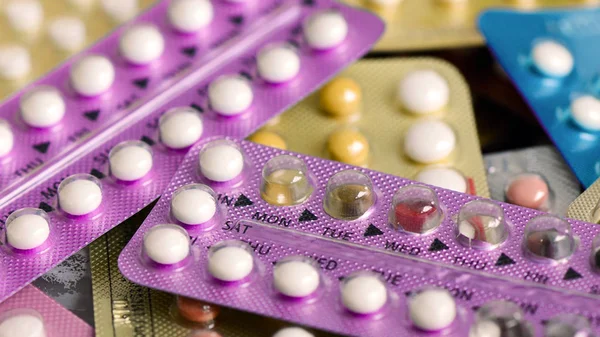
528	190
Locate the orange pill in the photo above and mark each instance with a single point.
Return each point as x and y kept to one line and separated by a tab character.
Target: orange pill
341	97
196	311
268	138
348	146
528	190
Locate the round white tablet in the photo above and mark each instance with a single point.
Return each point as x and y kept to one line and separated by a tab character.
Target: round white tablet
15	62
167	244
278	64
120	10
364	294
92	75
230	263
130	161
6	138
423	91
293	332
27	231
230	95
221	162
24	15
42	107
189	16
193	206
429	141
22	325
180	127
295	278
79	196
432	309
485	329
325	29
67	33
443	177
552	59
585	111
141	44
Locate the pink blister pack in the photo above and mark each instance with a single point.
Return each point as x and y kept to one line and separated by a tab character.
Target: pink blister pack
31	313
235	88
225	187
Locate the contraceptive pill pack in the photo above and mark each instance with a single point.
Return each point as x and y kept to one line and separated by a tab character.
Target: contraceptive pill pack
550	57
239	80
31	313
410	117
535	177
236	211
587	206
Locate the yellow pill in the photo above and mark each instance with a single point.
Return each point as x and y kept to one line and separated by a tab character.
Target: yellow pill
348	146
268	138
341	97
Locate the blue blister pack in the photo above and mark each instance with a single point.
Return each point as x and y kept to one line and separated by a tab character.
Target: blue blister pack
553	59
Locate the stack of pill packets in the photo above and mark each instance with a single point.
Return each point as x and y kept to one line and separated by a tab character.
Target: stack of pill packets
435	187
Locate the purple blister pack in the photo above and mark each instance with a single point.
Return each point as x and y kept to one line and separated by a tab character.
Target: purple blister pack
78	197
353	206
31	313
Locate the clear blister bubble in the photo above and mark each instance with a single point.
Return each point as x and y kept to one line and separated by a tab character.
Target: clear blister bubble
500	318
549	238
482	225
415	209
285	181
349	195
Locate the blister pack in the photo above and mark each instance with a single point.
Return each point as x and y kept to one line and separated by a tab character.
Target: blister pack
88	190
31	313
436	24
222	181
425	126
549	57
39	34
536	177
587	206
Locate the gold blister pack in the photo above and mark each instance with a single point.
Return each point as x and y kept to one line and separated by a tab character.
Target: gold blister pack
587	206
306	128
438	24
124	309
52	30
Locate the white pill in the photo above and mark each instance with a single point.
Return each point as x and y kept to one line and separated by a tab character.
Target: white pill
295	278
92	75
230	264
42	107
221	163
325	29
180	128
193	206
585	111
6	138
130	162
293	332
230	95
167	244
15	62
22	325
423	92
364	294
24	15
67	33
189	16
278	64
27	231
443	177
552	58
430	141
432	309
485	329
141	44
120	10
79	196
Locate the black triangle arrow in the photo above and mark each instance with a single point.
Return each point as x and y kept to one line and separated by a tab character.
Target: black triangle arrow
307	216
437	245
237	20
242	201
197	107
147	140
141	83
293	43
42	147
92	115
341	278
246	75
571	274
45	207
97	174
504	260
189	51
372	231
308	2
475	308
